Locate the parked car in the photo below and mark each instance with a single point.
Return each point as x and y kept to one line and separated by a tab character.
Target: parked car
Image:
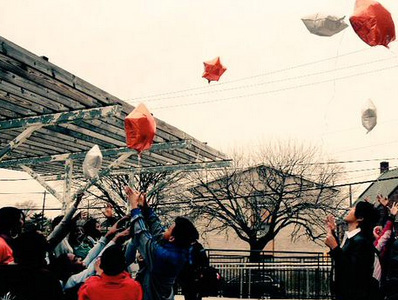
255	284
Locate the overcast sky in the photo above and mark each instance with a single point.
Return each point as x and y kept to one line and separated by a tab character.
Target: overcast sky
282	82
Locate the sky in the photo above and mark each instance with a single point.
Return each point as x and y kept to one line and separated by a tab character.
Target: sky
281	81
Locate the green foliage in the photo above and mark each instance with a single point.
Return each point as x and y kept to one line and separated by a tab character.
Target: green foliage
40	222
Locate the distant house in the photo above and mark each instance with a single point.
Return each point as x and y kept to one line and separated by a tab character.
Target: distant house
283	241
386	185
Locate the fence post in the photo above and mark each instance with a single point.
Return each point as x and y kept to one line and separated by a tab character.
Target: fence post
249	283
241	271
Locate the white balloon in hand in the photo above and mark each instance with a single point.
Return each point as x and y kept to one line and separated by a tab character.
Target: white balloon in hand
92	162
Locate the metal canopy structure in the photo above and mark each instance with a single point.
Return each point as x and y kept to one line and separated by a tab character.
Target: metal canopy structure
49	119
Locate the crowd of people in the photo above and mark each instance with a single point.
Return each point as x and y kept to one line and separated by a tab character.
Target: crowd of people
365	262
135	257
78	261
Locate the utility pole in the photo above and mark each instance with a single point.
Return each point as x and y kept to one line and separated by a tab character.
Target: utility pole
88	209
42	211
350	191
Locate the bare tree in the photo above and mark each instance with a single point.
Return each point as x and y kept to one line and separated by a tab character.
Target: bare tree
286	187
110	190
28	207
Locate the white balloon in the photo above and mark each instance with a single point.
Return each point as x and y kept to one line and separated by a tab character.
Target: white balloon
324	25
369	115
92	162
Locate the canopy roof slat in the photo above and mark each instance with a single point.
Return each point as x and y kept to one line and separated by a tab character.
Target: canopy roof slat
34	75
34	91
35	108
13	107
37	91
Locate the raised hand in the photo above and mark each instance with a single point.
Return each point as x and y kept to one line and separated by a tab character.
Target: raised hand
115	227
133	196
331	223
394	209
108	212
377	230
79	198
382	200
330	240
142	200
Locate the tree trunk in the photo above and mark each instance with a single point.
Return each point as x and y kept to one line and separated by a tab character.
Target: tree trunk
256	249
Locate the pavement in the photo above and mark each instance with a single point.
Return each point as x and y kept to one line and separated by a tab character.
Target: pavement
179	297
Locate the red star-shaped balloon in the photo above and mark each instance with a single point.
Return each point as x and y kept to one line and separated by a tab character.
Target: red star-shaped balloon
140	127
213	69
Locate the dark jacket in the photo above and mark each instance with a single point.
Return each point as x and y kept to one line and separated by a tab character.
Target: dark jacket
197	258
354	269
163	260
390	283
189	278
26	283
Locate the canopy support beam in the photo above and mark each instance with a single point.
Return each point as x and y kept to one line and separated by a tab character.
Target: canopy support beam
36	123
67	184
157	169
22	137
79	155
43	183
64	117
179	167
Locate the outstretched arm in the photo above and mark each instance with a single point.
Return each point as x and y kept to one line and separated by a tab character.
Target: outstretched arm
146	243
62	229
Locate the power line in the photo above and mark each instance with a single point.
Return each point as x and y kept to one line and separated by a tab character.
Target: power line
251	77
360	170
27	193
273	81
354	128
277	90
60	208
15	179
364	147
352	161
205	199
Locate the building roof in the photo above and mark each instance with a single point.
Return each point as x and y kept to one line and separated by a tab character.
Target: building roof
385	185
305	182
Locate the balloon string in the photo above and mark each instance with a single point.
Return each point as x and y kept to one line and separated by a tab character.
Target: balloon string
378	185
139	170
334	84
394	54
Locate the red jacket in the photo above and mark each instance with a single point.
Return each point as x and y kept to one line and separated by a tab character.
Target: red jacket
104	287
6	255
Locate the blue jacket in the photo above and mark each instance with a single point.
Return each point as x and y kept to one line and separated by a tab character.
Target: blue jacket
163	260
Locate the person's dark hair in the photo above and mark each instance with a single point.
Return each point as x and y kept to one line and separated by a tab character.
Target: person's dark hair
184	232
90	228
63	268
31	249
10	218
56	221
366	211
113	261
75	235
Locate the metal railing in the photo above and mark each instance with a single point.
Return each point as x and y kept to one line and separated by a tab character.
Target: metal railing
302	275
